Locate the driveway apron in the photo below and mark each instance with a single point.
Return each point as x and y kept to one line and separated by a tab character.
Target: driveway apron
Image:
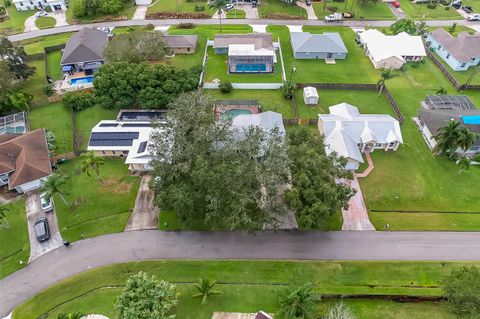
145	213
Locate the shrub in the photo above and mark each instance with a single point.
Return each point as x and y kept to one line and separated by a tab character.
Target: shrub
78	101
332	8
186	25
150	26
199	8
288	90
415	64
7	3
3	11
48	90
48	9
431	5
225	87
477	158
447	8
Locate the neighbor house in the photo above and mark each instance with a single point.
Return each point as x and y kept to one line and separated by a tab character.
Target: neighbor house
127	137
181	44
55	5
317	46
267	121
240	315
247	53
24	160
459	53
349	133
84	51
391	51
438	110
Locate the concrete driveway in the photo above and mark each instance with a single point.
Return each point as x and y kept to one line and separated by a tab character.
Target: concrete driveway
356	216
30	24
310	12
140	13
34	212
145	213
250	12
60	17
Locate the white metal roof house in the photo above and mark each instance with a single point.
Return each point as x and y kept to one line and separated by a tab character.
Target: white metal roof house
349	133
317	46
391	51
55	5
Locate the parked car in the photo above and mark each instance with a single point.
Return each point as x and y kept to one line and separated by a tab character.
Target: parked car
336	17
40	14
467	9
254	4
47	203
229	7
396	4
308	2
473	17
42	231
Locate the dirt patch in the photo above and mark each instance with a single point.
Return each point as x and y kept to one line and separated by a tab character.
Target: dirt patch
178	15
115	186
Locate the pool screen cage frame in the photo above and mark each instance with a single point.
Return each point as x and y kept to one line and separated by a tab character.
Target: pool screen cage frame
10	121
449	102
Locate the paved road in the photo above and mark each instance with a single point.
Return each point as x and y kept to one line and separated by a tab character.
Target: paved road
151	244
364	23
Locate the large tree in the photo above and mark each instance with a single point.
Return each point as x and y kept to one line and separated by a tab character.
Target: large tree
92	163
15	58
316	192
208	173
462	289
219	6
146	297
55	185
404	25
11	99
136	47
446	139
297	302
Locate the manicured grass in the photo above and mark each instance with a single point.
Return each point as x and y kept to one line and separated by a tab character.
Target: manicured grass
421	11
35	84
178	6
36	45
54	68
95	208
125	14
14	244
56	118
236	14
88	118
16	23
217	68
370	11
250	285
356	68
475	4
45	22
461	76
276	9
270	100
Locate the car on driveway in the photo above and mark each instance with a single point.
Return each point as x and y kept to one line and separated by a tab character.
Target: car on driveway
467	9
42	231
473	17
396	4
40	14
47	203
229	7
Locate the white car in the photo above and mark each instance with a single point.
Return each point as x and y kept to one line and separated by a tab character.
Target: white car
473	17
229	7
40	14
47	203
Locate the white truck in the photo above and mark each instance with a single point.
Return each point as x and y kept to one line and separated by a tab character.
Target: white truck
336	17
473	17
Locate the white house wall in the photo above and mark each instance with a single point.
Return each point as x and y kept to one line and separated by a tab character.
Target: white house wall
449	59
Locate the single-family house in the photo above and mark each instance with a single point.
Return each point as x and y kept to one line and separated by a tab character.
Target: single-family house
247	53
127	137
267	121
24	160
391	51
25	5
181	44
84	51
240	315
318	46
438	110
349	133
460	53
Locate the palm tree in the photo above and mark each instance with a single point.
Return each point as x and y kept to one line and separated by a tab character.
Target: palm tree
340	311
386	74
441	91
205	289
73	315
91	163
466	138
54	185
447	139
452	28
422	28
297	302
218	5
463	164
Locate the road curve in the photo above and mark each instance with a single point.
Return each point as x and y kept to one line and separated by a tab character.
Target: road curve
167	22
295	245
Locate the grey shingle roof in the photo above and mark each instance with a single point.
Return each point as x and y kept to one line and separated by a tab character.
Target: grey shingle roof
326	42
259	40
462	48
181	41
85	45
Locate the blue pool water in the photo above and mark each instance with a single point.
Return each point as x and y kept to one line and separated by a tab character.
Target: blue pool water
230	114
85	80
251	68
471	119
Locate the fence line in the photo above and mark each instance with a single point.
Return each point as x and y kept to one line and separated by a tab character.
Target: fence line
246	86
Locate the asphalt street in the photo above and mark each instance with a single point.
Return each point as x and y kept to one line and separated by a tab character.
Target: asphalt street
99	251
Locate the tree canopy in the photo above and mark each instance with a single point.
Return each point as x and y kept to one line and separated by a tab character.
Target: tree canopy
297	302
14	57
214	175
404	25
90	8
315	192
126	85
462	289
136	47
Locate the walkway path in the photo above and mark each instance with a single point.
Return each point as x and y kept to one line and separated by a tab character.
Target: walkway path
30	24
310	12
140	13
60	17
356	216
145	213
151	244
369	168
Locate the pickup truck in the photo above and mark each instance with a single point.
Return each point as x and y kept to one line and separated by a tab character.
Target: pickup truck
473	17
336	17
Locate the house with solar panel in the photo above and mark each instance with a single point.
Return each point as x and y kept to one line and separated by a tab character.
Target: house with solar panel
127	137
438	110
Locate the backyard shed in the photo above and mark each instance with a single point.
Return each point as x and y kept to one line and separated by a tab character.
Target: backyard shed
310	95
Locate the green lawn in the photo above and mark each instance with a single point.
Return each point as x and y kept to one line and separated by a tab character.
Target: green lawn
236	14
276	9
57	119
35	84
126	14
370	11
45	22
54	68
475	4
356	68
36	45
14	244
421	11
251	285
178	6
16	23
88	118
95	208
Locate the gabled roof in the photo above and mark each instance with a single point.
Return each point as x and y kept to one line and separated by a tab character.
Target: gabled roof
259	40
312	43
180	41
463	48
25	157
267	120
84	46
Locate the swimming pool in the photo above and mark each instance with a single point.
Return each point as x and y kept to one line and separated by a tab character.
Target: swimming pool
230	114
84	80
471	119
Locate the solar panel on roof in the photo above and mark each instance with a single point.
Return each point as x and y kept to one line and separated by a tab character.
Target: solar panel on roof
114	136
142	147
136	125
110	142
108	125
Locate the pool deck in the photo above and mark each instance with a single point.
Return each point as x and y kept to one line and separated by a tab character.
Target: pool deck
220	108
